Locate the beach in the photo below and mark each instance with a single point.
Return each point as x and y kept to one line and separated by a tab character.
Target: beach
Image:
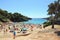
30	20
37	34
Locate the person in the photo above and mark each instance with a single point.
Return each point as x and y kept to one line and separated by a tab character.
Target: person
24	29
6	30
32	28
14	35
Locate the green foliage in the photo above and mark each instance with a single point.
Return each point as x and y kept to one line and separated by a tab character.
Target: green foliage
54	9
46	24
3	19
5	16
54	12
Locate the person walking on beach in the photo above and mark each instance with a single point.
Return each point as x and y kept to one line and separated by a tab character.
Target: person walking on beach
14	35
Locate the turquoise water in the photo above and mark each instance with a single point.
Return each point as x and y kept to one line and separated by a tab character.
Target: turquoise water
36	21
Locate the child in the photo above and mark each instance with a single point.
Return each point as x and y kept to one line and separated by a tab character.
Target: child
14	35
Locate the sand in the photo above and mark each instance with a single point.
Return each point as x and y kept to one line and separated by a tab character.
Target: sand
37	34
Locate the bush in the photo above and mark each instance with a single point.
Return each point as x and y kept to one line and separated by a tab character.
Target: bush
46	24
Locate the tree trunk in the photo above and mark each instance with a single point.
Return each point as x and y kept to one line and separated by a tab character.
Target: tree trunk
53	24
52	21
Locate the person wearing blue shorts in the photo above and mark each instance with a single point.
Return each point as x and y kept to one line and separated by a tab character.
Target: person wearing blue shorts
14	35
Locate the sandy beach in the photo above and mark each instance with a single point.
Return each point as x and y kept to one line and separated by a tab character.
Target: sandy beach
36	34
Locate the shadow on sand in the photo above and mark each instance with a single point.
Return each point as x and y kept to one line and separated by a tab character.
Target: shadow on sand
58	33
23	35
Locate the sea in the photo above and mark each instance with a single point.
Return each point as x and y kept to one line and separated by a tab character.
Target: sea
36	21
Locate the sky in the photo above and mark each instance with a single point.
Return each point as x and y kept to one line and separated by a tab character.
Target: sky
29	8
